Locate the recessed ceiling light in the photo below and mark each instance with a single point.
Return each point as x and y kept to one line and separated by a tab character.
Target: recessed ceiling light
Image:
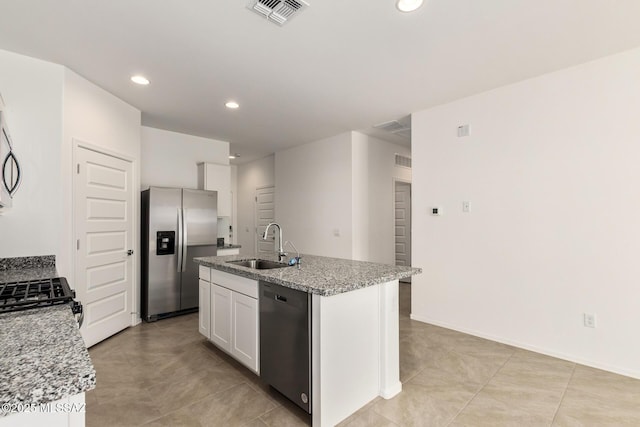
141	80
234	156
232	104
408	5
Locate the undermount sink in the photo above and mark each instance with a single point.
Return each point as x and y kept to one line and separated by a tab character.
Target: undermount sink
258	264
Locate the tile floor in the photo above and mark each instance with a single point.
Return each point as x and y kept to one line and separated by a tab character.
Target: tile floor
166	374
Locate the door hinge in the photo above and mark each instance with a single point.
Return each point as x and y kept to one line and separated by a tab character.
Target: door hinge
256	198
78	168
78	244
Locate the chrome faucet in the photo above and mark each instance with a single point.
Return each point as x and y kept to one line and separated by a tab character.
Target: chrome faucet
281	253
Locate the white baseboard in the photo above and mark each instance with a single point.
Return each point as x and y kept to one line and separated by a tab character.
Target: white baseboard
391	392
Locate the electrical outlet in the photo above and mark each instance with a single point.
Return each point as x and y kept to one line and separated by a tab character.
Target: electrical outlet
589	320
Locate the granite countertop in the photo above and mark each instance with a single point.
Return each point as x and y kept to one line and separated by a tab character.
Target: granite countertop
27	268
318	275
42	357
24	274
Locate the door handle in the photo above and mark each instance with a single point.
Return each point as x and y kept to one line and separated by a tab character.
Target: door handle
130	252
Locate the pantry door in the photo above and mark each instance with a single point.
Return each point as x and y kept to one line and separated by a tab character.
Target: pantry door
104	225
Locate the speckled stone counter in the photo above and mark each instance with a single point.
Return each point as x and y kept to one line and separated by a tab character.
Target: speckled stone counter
318	275
27	268
42	357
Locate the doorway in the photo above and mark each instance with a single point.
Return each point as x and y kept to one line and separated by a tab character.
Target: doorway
265	213
104	230
402	200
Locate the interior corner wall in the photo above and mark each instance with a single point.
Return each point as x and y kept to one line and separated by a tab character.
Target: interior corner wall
32	93
551	171
170	159
360	194
251	176
313	196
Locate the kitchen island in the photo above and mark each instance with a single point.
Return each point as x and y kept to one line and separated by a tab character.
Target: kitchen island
354	325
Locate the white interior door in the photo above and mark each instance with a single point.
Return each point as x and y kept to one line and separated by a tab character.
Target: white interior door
265	213
403	224
104	206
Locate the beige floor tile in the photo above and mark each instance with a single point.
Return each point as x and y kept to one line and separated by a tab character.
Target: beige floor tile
286	416
180	418
605	385
596	397
235	406
510	405
126	410
416	407
367	418
169	397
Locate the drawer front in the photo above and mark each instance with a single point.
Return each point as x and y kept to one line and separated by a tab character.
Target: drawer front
204	273
248	287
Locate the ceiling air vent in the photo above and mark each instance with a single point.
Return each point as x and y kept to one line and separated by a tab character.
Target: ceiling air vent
396	128
278	11
403	161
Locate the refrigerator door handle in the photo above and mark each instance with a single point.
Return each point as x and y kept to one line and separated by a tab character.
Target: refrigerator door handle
180	242
185	244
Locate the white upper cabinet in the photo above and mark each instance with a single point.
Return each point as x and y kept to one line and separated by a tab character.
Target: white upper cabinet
216	177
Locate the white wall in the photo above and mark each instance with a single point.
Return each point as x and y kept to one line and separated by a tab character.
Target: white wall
551	170
313	196
94	116
169	159
252	175
382	171
360	189
32	93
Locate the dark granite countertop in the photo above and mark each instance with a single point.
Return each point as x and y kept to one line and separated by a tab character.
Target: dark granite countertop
27	274
42	357
318	275
230	247
27	268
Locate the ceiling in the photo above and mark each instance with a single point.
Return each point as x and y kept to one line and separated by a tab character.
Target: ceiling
340	65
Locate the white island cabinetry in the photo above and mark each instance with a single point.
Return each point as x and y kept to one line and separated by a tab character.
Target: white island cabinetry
232	314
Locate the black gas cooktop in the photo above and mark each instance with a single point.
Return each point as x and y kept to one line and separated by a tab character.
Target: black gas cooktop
23	295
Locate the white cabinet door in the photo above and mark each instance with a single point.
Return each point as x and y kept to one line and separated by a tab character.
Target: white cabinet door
217	177
245	330
204	312
221	317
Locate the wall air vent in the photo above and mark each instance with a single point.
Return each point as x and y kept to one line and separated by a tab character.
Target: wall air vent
403	161
278	11
396	127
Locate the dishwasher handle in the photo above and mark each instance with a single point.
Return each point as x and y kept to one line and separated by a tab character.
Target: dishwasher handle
280	298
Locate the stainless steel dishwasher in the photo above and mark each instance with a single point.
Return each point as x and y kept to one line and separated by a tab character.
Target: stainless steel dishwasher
285	342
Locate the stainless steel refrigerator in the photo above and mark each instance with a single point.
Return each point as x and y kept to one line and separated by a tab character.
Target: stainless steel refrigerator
178	224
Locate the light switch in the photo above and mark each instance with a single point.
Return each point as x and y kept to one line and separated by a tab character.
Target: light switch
463	130
466	206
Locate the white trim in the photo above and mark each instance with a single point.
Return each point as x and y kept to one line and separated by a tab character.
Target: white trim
536	349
